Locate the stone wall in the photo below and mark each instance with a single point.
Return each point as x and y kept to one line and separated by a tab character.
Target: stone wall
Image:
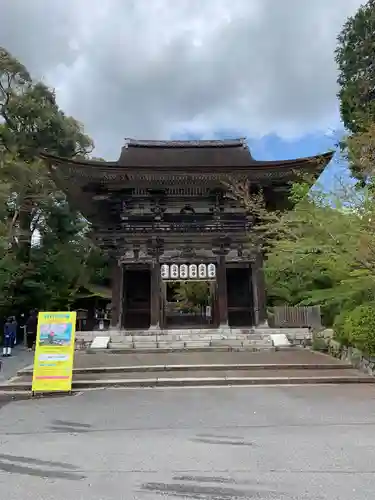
353	356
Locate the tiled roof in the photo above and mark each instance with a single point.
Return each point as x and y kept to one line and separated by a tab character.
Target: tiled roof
233	153
181	155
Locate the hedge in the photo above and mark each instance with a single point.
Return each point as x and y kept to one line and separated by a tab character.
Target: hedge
357	328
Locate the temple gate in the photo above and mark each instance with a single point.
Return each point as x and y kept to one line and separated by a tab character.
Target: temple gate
162	209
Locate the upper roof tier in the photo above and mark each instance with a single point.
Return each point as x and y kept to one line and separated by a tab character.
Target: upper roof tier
185	153
181	155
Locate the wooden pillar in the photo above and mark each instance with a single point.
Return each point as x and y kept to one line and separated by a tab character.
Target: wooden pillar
222	301
163	300
212	304
155	295
117	288
259	290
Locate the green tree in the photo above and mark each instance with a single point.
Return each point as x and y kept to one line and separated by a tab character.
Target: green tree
192	295
33	121
354	56
45	251
356	79
325	252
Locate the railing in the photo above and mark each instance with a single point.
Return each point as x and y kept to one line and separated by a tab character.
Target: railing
295	317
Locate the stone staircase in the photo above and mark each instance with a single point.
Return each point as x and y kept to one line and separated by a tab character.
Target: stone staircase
249	339
189	368
177	341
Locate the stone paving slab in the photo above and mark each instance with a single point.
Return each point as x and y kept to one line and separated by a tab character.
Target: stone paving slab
298	356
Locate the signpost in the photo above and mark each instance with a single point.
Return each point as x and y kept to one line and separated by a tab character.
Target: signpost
54	352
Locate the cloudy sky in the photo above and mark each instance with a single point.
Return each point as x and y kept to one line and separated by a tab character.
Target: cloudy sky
263	69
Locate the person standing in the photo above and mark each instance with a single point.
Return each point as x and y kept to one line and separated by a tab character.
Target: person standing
31	329
22	328
10	332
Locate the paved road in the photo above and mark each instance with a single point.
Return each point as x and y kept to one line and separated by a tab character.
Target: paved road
312	443
9	366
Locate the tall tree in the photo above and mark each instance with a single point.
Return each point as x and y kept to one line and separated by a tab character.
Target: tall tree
325	252
355	59
356	79
33	121
44	246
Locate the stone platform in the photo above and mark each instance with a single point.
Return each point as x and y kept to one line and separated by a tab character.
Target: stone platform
229	338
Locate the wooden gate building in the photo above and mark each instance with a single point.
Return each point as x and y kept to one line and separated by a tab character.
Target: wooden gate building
161	211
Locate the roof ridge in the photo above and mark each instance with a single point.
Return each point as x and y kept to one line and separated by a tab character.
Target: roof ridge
188	143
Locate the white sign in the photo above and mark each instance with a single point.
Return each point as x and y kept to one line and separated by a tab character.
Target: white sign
184	271
193	271
211	271
164	271
174	271
202	271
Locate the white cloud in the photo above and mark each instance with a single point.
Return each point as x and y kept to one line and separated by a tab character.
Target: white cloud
149	68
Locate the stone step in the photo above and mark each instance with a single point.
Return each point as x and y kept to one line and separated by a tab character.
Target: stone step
260	338
179	347
197	367
212	368
191	342
235	333
174	338
187	338
184	379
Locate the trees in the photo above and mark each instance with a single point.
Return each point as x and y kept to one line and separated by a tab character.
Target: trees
33	121
44	249
325	251
263	220
322	251
354	56
32	118
193	295
356	79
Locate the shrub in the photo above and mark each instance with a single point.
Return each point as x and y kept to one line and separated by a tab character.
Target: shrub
341	334
359	327
319	344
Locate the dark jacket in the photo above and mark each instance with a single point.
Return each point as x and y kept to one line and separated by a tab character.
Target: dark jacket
10	329
32	324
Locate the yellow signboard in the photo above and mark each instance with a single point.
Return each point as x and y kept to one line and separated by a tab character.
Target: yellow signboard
54	352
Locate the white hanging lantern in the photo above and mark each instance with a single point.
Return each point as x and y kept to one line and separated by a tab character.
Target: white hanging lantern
211	271
202	271
193	271
164	271
184	271
174	271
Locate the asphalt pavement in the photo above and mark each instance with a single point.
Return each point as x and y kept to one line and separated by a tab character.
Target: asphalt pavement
20	358
309	442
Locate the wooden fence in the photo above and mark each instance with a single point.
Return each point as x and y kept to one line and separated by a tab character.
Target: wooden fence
295	317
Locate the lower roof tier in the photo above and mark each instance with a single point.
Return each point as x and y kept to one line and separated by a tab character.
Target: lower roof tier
184	156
